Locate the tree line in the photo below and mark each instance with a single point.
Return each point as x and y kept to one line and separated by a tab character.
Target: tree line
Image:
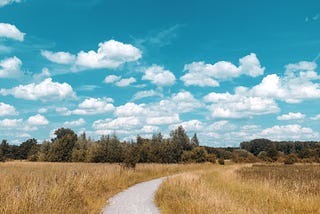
67	146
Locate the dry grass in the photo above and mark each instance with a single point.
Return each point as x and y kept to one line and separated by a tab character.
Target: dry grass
70	187
243	189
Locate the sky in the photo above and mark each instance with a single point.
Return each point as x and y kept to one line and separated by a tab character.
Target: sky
230	71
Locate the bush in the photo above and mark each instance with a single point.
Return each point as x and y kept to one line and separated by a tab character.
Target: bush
291	159
221	161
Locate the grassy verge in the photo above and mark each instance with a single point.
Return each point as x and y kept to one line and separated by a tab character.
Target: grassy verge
71	187
242	189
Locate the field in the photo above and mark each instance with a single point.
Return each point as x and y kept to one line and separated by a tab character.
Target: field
28	187
243	189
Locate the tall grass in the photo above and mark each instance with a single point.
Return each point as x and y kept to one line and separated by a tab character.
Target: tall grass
70	187
243	189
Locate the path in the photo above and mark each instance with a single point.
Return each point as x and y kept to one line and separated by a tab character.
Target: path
137	199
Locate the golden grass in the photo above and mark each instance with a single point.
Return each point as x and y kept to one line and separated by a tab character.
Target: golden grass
70	187
243	189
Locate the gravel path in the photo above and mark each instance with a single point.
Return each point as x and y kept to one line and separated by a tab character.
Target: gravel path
137	199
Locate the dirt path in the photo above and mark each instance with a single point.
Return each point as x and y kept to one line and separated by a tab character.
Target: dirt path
137	199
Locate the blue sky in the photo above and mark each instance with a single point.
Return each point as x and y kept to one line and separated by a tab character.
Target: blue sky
228	70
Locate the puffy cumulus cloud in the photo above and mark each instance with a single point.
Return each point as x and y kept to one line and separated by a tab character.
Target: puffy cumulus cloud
6	109
159	76
250	65
37	120
92	106
59	57
144	94
295	86
201	74
38	77
7	2
11	32
10	68
288	132
110	54
118	81
181	102
225	105
120	123
45	91
291	116
131	109
191	125
79	122
163	120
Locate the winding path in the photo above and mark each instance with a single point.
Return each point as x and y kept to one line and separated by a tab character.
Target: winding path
137	199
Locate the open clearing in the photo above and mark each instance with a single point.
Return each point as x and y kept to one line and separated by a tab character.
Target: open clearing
29	188
243	189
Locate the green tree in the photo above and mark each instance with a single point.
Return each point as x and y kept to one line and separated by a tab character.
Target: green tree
194	140
28	148
62	145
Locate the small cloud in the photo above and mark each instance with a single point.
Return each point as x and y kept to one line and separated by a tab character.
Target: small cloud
37	120
159	76
11	32
11	68
291	116
7	2
118	81
79	122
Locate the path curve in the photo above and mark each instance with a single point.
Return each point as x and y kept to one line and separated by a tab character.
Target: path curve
137	199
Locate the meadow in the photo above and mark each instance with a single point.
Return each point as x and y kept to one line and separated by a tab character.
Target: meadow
243	189
38	187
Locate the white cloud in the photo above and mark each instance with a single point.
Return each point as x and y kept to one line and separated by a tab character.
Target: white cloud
159	76
110	54
42	110
7	2
37	120
111	79
63	111
125	82
6	109
191	125
126	123
92	106
291	116
131	109
147	93
181	102
11	32
161	120
297	84
79	122
118	81
201	74
317	117
150	129
250	65
226	105
38	77
59	57
10	68
10	123
44	91
288	132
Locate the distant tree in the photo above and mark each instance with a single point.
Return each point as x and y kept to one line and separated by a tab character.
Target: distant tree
62	145
131	156
80	149
28	148
291	159
194	140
